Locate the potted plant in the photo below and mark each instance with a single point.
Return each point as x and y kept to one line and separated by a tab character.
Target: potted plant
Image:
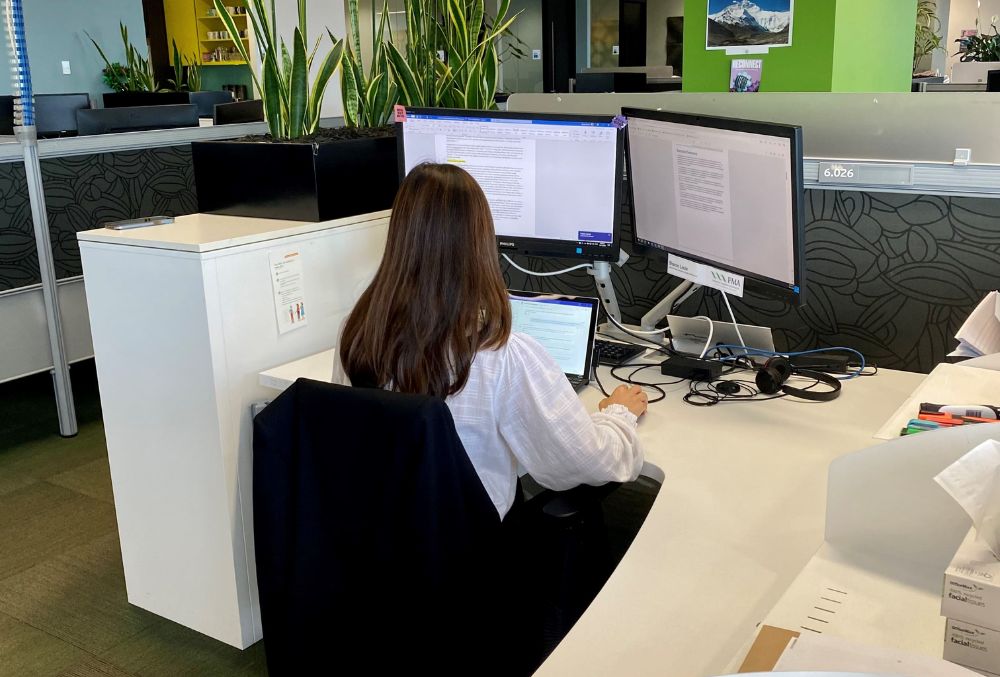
134	83
926	38
979	54
322	174
298	171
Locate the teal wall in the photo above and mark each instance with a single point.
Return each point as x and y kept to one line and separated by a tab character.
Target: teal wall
805	66
214	77
55	33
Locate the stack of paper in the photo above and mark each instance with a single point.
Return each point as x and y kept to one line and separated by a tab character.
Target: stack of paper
980	335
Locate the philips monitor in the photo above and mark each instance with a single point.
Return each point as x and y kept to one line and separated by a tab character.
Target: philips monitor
553	182
55	114
135	119
722	192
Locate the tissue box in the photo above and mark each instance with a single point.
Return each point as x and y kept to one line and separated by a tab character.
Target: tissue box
972	585
972	646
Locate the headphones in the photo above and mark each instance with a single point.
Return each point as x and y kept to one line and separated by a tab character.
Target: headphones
771	379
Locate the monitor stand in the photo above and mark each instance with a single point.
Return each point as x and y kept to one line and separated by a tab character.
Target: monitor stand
601	270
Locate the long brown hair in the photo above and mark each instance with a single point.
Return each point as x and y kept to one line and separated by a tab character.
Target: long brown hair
438	296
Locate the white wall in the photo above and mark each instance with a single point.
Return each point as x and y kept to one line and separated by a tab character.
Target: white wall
321	14
525	75
964	14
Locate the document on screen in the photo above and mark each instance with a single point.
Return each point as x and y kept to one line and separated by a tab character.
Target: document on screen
701	184
505	170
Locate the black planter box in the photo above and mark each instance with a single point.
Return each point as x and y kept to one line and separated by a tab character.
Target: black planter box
131	99
296	181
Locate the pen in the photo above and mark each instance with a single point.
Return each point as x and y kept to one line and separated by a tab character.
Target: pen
976	410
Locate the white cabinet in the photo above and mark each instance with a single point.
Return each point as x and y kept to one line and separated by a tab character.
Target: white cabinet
183	320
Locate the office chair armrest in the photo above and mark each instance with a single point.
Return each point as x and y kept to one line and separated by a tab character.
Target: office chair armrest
572	503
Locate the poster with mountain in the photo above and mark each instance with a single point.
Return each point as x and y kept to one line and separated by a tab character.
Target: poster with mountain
749	23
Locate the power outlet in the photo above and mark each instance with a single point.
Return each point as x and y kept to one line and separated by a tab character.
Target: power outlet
614	49
66	70
536	55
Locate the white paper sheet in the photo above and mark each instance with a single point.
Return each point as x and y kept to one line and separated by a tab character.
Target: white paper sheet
289	289
981	332
826	652
974	482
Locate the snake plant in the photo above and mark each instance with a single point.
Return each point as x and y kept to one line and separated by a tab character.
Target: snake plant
291	104
463	34
368	98
136	75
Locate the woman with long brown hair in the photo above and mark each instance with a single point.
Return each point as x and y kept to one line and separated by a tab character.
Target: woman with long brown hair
436	320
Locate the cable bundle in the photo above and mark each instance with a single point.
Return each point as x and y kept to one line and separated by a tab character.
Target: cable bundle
24	102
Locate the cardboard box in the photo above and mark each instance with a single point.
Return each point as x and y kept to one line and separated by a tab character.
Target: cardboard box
767	648
972	585
972	646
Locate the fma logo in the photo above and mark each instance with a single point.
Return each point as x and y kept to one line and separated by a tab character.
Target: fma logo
721	277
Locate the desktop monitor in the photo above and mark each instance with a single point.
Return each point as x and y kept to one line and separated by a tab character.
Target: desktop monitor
55	114
553	181
993	81
135	119
722	192
240	111
207	100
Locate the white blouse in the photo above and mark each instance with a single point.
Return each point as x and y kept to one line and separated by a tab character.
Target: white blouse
518	408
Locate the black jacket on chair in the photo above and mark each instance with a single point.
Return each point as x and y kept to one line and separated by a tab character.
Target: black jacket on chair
377	547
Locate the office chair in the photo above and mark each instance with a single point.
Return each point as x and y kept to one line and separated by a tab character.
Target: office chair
377	546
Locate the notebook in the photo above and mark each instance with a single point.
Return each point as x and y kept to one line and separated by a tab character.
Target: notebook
564	325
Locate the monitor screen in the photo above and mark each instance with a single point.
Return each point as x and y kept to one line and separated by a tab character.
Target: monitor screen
55	114
726	193
563	326
553	182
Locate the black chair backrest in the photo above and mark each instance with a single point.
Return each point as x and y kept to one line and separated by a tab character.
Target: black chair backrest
375	540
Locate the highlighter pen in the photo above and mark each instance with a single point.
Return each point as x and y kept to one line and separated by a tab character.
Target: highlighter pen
976	410
943	419
931	416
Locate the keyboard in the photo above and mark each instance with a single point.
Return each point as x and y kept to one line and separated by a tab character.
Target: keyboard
613	353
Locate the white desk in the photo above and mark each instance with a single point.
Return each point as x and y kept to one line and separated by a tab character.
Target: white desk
740	512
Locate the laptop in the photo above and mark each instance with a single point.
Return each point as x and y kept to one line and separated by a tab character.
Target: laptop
689	335
564	325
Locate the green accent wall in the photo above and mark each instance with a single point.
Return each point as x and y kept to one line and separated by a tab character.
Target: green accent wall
873	46
837	46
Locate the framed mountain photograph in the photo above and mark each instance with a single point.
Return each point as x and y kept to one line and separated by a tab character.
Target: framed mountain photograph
748	23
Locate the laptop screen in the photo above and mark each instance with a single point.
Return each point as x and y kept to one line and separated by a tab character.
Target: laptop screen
564	326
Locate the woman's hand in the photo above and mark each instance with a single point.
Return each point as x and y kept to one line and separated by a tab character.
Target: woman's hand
632	397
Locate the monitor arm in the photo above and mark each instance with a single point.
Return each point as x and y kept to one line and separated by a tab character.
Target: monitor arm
666	305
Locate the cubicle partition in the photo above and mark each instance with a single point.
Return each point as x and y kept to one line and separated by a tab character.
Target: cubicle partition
896	259
87	181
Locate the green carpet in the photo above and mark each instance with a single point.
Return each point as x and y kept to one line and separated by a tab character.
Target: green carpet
63	609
